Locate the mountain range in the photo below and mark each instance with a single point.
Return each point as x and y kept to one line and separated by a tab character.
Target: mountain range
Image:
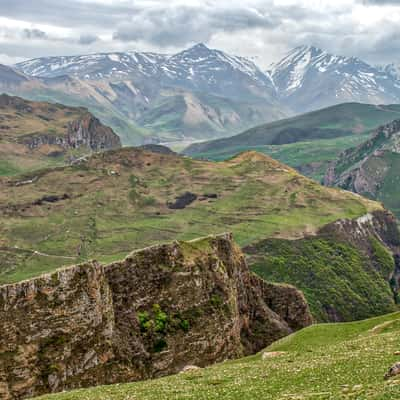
199	93
195	94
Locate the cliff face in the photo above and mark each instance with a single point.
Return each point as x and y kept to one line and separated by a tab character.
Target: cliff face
381	225
160	309
90	132
86	131
371	169
36	124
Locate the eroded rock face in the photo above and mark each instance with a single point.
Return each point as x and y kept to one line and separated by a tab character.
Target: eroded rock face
152	314
362	169
54	331
379	224
86	132
90	132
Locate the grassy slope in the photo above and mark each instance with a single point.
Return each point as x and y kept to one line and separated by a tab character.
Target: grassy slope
336	121
44	118
389	191
118	203
316	137
338	281
324	362
321	151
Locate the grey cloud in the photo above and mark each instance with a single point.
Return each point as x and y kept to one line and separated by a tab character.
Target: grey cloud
88	38
72	13
34	34
183	25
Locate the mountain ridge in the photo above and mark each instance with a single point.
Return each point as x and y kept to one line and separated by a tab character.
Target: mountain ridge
370	169
307	142
201	93
309	77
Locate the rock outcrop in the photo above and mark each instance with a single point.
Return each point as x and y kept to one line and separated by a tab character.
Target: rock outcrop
363	169
152	314
381	225
86	131
40	124
90	132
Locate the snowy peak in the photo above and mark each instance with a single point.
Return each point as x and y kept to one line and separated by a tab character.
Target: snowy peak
198	68
291	72
202	68
94	66
308	78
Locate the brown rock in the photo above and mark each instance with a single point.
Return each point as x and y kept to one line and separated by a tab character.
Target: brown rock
394	370
90	132
152	314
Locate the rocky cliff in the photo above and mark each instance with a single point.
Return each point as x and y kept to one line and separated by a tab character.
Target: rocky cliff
37	124
371	169
87	132
155	312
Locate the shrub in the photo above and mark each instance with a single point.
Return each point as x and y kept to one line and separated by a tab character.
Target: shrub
216	300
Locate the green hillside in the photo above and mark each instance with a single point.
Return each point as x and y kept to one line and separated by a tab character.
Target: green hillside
33	135
307	142
324	362
125	199
120	200
338	281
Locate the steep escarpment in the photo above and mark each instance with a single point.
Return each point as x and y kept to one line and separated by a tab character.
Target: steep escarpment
371	169
153	313
348	270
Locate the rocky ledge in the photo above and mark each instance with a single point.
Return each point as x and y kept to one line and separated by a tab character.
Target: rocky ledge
152	314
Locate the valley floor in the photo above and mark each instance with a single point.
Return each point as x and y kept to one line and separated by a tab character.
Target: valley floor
326	361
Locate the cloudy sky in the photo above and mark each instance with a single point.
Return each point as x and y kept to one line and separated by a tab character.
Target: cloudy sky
261	29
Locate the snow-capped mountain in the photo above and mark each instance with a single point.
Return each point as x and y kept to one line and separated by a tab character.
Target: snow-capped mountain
309	78
206	93
95	66
197	93
204	69
197	68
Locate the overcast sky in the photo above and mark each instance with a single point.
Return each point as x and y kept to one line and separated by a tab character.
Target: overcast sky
262	29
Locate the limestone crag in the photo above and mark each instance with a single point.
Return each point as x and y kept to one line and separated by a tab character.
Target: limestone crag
90	132
86	131
152	314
